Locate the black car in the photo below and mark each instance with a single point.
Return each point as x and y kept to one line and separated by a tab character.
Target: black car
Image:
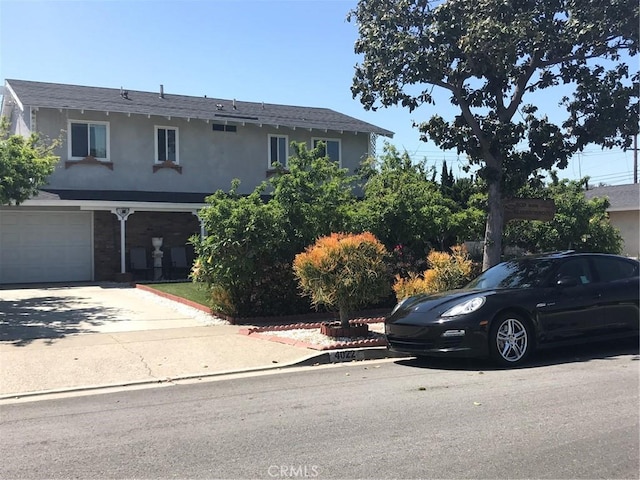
520	305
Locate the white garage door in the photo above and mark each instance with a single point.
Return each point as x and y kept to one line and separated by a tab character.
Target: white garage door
38	247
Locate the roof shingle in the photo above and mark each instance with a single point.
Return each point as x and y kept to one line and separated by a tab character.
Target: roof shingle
621	197
54	95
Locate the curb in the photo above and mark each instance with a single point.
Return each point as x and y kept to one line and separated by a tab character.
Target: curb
343	355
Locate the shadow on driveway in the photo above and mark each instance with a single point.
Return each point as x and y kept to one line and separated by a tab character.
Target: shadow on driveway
51	317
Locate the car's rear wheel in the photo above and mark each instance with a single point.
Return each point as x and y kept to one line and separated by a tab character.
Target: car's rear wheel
510	342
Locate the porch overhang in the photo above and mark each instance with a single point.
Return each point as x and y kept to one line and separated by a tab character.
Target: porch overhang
110	200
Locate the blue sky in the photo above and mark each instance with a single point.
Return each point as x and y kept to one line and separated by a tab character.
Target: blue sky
297	52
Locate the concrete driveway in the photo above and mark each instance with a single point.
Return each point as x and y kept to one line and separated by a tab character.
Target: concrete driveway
57	339
53	312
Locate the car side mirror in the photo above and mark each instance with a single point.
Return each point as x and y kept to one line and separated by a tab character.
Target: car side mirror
567	282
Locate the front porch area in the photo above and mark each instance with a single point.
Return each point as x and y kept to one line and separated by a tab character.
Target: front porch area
169	259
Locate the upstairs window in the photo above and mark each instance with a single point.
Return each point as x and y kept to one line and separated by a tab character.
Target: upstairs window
166	144
332	148
88	139
278	149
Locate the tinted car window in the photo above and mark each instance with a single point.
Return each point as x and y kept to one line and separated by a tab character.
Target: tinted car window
523	273
611	269
576	268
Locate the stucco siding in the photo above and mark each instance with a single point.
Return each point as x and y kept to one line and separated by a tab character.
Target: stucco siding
629	225
209	159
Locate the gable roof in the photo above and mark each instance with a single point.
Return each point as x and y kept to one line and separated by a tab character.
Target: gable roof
216	110
621	197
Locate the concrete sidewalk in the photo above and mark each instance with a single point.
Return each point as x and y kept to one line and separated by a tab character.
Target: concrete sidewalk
81	338
125	358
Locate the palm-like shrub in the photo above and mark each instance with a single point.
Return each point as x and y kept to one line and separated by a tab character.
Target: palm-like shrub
343	271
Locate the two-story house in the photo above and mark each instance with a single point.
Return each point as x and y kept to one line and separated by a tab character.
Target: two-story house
138	165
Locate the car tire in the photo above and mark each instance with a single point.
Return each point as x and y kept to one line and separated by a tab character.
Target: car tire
510	340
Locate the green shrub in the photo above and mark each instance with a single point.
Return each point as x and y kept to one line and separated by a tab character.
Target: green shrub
245	237
247	257
403	206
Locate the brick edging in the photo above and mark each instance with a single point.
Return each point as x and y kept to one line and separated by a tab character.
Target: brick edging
295	326
369	342
379	341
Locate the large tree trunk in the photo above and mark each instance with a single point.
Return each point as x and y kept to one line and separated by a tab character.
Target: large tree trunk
494	227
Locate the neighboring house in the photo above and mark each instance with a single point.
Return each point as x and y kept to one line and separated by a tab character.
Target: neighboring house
137	165
624	213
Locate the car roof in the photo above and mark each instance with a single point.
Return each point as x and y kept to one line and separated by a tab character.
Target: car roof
570	253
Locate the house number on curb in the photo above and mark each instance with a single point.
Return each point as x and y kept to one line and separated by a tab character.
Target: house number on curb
345	356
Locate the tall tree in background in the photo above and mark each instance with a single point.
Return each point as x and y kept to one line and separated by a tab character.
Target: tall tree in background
489	55
446	180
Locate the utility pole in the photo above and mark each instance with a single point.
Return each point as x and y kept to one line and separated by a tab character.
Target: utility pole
635	158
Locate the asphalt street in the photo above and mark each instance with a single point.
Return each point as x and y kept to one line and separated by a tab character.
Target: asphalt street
567	415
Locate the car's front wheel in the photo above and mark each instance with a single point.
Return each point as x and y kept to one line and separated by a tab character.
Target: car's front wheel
510	341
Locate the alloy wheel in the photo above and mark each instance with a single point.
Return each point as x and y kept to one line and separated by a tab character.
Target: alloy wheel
512	340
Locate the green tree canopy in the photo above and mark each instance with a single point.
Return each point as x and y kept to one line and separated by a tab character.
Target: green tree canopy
315	195
401	206
490	56
579	224
25	164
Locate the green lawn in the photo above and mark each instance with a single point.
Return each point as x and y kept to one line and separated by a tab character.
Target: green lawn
191	291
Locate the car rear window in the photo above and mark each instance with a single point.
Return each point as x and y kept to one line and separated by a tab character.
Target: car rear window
612	269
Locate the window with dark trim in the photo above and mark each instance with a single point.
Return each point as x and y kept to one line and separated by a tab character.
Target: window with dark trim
88	139
332	148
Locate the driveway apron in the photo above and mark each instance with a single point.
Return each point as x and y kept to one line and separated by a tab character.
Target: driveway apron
55	312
